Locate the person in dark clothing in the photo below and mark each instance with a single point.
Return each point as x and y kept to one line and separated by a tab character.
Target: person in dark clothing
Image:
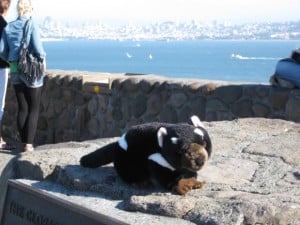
28	92
4	69
295	55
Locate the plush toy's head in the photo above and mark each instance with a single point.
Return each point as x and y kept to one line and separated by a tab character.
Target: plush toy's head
185	146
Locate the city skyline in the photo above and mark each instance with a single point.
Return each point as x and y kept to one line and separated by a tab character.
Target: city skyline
145	11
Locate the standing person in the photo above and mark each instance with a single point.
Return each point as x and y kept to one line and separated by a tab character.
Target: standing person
4	5
28	93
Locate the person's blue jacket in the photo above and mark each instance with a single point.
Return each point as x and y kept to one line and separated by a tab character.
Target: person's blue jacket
10	44
288	69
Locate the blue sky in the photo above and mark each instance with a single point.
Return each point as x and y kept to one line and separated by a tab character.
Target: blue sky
143	11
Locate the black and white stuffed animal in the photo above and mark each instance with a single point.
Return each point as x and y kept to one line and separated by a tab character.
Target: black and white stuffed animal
170	154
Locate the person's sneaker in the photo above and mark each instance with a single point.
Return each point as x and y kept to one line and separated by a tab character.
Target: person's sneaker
28	148
6	146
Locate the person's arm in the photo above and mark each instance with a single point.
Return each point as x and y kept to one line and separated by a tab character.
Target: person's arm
36	43
4	47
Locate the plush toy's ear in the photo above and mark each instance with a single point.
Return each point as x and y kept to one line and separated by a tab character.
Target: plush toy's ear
160	135
196	121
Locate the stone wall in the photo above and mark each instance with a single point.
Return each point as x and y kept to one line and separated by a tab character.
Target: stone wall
78	106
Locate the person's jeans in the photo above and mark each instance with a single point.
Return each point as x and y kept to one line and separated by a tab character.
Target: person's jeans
3	88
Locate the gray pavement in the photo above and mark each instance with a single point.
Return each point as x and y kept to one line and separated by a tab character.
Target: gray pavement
253	177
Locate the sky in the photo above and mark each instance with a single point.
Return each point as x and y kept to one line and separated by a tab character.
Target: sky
144	11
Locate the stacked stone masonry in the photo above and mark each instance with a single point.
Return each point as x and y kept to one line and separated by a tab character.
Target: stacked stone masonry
72	111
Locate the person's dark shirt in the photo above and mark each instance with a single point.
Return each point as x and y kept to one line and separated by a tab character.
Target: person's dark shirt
3	23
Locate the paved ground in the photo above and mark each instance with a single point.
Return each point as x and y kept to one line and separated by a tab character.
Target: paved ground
253	177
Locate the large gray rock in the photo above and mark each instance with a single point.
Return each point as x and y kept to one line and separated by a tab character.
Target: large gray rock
253	177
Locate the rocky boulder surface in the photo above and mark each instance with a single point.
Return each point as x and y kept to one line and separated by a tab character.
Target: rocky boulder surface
253	177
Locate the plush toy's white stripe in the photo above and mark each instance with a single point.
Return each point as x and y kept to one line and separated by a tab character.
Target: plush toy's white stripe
199	132
160	135
122	142
196	121
159	159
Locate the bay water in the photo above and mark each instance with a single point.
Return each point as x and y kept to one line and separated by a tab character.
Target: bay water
228	60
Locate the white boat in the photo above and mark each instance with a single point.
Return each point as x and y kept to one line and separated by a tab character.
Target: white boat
128	55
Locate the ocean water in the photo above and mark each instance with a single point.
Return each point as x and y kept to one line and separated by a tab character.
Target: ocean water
249	61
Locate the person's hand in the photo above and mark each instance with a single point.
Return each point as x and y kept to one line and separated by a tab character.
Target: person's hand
44	64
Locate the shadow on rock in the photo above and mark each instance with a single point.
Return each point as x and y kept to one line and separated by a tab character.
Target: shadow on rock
103	180
297	175
7	167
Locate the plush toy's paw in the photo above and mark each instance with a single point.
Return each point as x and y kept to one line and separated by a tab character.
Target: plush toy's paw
187	184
